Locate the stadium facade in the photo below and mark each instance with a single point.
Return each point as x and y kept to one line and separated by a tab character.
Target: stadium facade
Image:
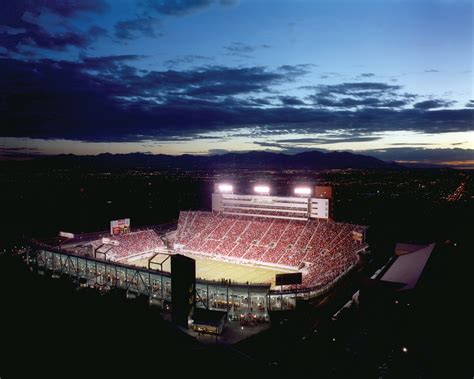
246	239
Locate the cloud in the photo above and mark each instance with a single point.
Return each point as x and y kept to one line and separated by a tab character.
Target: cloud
213	81
19	153
328	140
291	100
186	59
97	31
19	31
66	100
218	151
367	75
135	28
470	104
298	69
18	149
270	144
228	2
357	88
350	102
180	8
37	37
359	94
297	145
239	49
151	11
434	103
288	149
412	144
12	14
69	8
110	64
432	70
106	99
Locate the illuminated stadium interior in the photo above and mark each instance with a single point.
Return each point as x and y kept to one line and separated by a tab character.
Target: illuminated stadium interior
239	247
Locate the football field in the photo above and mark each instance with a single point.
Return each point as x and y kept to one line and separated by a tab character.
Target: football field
216	270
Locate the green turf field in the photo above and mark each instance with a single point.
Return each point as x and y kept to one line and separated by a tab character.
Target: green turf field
216	270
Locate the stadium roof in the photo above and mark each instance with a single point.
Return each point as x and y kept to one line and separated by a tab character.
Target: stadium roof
407	268
407	248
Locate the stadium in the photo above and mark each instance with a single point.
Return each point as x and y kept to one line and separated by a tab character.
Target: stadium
253	253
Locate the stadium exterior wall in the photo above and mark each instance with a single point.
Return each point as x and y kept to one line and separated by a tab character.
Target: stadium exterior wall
255	298
105	275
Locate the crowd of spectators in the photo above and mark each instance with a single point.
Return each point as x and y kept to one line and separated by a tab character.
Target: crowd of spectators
326	249
127	245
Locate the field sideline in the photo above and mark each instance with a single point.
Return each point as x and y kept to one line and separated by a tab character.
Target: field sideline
217	270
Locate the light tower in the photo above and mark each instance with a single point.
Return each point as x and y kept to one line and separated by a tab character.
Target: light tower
262	189
303	191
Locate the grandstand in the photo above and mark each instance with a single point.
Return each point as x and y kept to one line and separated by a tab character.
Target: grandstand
250	238
124	247
321	250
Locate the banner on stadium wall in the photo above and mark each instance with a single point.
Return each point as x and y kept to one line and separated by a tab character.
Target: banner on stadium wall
66	235
120	226
357	236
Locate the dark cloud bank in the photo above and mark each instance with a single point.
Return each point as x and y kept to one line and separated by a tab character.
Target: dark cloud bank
107	99
18	32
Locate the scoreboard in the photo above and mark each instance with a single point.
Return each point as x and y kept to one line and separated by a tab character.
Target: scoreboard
288	279
121	226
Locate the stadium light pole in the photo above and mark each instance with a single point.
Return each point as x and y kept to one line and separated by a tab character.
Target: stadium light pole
262	189
225	188
302	191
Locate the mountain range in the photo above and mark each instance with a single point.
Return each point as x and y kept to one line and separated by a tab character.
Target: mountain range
311	160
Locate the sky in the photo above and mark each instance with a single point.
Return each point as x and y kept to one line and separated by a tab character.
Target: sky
390	79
